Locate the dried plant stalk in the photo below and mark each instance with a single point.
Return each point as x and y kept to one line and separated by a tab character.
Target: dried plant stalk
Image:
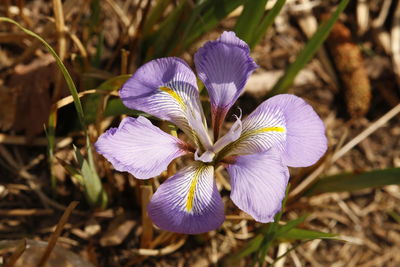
147	234
349	63
362	16
53	238
395	42
17	253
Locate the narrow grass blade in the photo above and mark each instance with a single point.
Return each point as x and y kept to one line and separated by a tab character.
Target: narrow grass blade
249	19
206	16
251	247
303	234
308	52
266	23
352	182
155	14
282	229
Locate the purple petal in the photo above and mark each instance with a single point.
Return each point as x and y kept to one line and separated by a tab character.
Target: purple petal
288	123
258	184
305	141
263	129
139	147
165	88
188	202
224	66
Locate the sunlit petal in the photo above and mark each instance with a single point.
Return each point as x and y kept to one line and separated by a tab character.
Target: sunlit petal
258	184
224	66
306	141
285	122
139	147
188	202
166	88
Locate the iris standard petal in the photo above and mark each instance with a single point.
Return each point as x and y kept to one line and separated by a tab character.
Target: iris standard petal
306	141
188	202
224	66
165	88
258	184
139	147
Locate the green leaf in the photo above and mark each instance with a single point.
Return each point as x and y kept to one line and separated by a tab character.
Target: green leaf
50	132
114	83
115	107
303	234
355	181
71	170
92	102
206	16
308	52
154	15
95	194
157	43
282	229
264	25
252	246
249	19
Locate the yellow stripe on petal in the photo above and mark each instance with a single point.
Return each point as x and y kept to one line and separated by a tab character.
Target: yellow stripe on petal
192	189
174	95
270	129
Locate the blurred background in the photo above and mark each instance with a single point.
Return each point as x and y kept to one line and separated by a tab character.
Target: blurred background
342	57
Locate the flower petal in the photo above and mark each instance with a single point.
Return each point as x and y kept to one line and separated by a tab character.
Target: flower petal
139	147
288	123
264	128
224	66
258	184
188	202
306	141
165	88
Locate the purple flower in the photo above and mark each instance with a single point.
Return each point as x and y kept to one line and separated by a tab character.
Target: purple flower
283	131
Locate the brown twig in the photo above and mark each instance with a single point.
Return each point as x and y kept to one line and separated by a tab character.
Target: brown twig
17	253
53	238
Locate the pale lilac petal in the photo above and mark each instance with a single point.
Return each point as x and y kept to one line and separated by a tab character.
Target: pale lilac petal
139	147
263	129
258	184
224	66
188	202
285	122
306	141
165	88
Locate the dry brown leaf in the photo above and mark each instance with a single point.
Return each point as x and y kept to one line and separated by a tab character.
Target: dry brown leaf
7	108
118	230
31	87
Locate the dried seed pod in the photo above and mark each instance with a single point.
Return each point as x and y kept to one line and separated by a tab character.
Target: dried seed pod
349	63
